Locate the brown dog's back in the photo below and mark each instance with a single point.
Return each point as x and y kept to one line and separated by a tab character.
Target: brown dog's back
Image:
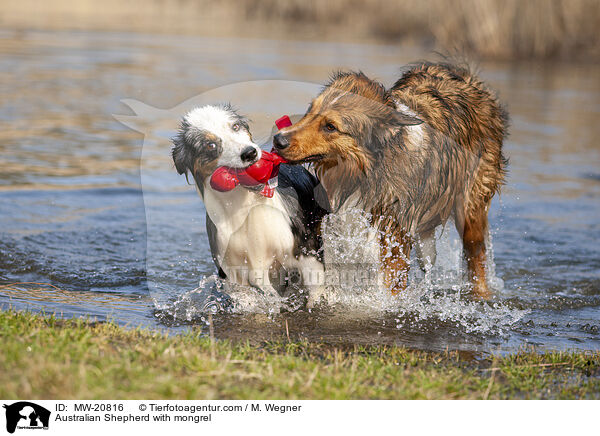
455	103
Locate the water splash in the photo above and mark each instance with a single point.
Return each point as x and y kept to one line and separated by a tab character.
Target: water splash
354	285
440	295
215	295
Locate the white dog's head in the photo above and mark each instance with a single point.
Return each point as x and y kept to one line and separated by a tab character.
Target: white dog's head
210	137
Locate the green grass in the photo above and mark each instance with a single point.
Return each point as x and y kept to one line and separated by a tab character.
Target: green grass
43	357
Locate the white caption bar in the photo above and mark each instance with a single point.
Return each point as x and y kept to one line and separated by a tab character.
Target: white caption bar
284	418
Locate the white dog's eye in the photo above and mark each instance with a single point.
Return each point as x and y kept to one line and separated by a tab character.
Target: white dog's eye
235	127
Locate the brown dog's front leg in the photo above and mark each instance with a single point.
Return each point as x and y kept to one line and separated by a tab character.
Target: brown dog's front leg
395	251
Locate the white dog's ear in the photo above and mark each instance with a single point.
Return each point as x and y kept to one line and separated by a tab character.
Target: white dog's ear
182	157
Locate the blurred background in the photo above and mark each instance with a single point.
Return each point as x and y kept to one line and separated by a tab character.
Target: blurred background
75	206
492	29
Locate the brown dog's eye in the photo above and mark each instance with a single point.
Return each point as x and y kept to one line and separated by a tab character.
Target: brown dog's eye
235	127
330	127
211	145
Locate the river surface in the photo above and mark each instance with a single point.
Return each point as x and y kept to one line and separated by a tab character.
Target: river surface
94	220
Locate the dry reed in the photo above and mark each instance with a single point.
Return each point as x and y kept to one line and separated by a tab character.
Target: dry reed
500	29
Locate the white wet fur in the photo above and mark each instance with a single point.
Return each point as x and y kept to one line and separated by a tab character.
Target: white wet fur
253	232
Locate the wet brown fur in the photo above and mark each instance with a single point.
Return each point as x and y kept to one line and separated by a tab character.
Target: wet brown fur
409	176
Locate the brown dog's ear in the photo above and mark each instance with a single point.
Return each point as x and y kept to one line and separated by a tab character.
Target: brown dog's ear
401	120
404	119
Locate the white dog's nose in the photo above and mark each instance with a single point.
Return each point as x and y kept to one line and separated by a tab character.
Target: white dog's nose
248	154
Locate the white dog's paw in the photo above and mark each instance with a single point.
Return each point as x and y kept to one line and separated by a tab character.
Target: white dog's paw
315	297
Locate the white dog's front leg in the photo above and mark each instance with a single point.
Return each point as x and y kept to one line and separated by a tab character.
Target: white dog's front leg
426	250
258	277
313	279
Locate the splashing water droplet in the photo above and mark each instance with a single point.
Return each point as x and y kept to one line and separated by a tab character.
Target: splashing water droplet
354	285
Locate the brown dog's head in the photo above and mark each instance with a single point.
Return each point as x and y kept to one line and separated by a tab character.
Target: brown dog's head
353	118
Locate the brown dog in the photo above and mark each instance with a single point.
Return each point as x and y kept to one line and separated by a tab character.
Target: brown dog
428	149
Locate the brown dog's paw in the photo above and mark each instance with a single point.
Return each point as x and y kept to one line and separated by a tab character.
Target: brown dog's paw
396	281
480	291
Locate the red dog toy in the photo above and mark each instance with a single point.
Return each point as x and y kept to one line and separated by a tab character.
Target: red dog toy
262	172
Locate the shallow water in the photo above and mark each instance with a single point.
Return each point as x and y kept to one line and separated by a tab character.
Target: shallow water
97	210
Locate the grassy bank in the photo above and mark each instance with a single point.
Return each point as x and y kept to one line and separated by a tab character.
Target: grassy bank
48	358
499	29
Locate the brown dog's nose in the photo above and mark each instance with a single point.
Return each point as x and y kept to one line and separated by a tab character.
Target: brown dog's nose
280	142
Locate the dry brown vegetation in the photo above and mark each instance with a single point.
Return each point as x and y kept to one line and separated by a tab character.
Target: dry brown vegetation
500	29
